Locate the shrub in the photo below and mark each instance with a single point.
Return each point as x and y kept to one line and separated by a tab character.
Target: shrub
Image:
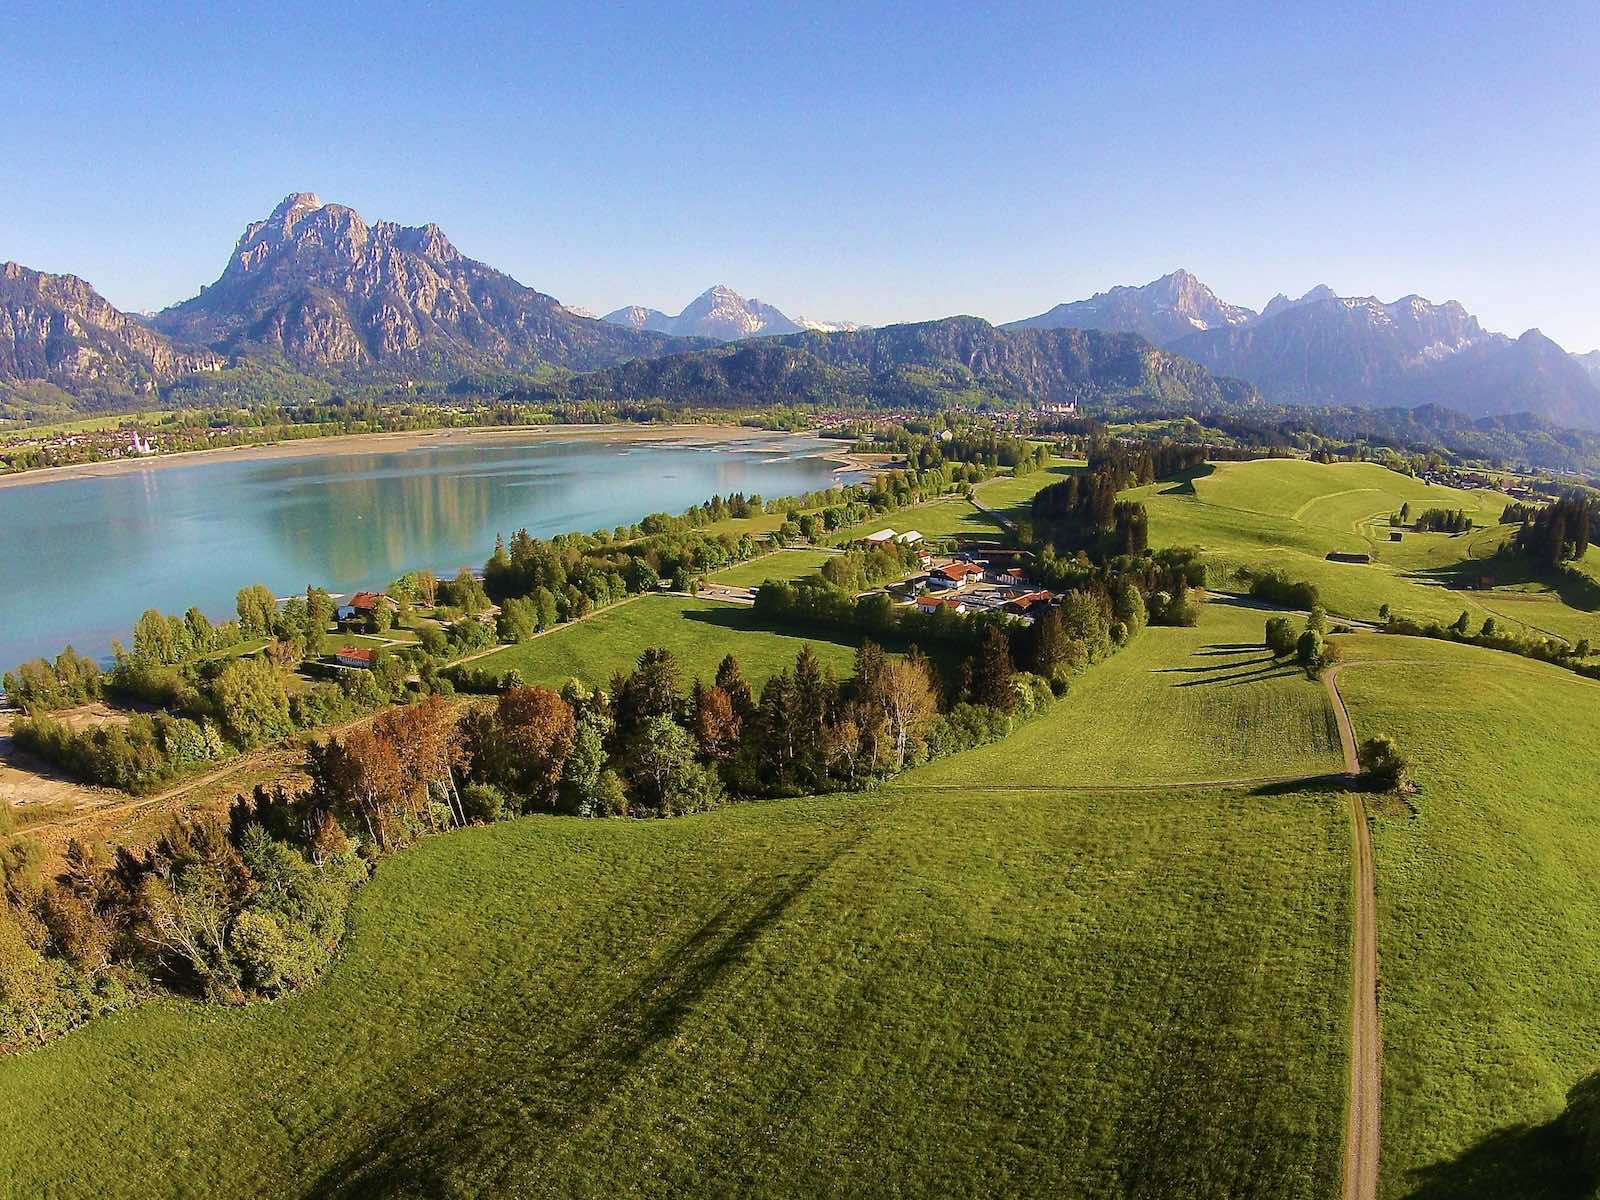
1383	765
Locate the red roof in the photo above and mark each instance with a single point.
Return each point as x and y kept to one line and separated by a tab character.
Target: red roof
935	601
354	654
365	600
1028	599
959	571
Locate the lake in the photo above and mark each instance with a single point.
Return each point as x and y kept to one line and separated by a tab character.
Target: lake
80	559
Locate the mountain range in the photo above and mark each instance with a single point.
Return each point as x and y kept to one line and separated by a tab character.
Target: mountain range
1328	349
957	358
320	295
723	315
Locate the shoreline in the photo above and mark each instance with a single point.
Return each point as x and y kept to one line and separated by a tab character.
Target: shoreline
363	443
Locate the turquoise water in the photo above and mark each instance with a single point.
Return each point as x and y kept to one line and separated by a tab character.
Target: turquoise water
80	559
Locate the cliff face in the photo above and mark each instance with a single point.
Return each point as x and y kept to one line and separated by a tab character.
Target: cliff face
57	329
319	285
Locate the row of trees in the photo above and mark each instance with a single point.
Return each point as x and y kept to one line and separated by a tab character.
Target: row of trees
1559	532
1444	520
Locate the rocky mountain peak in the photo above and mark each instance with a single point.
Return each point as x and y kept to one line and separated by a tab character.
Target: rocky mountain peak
718	312
1174	306
319	285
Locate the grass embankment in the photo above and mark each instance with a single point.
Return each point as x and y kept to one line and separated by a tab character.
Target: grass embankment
1488	916
698	632
1287	514
973	994
1176	706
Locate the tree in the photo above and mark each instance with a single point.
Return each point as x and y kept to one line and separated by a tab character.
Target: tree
1128	606
1049	642
1461	623
1308	651
257	609
539	730
517	620
731	680
1383	765
716	724
662	767
652	690
253	703
991	675
906	697
1317	620
1280	637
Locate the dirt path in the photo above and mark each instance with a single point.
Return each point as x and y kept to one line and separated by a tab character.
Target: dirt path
1366	1052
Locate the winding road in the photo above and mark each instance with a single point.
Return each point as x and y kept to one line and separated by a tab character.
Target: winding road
1366	1048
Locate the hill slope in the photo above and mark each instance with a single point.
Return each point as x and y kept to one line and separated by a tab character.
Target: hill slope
952	994
317	284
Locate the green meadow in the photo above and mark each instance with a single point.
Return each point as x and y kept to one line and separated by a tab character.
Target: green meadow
1288	514
1176	706
698	632
1488	915
780	565
977	993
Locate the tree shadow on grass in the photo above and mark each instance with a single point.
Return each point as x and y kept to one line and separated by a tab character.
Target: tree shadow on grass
478	1128
1530	1162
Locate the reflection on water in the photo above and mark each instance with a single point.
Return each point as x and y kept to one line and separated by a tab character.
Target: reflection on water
81	559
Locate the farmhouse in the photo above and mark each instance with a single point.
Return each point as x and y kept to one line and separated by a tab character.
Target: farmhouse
909	538
353	656
932	604
956	575
364	604
882	537
1029	604
1014	575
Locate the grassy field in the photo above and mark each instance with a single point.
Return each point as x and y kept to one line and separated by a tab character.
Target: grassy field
936	994
1286	514
1177	706
949	517
1488	916
783	564
698	632
1012	496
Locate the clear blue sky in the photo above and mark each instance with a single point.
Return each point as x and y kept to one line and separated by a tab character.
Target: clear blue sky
852	161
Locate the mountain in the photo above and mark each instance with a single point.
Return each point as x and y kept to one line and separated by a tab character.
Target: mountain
719	313
1170	308
318	285
1281	303
958	357
58	330
1326	349
1590	362
811	326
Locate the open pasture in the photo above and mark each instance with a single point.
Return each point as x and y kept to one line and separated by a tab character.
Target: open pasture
785	565
698	632
1176	706
979	993
1488	917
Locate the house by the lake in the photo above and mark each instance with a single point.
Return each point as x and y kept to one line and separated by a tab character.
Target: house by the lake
354	656
363	604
